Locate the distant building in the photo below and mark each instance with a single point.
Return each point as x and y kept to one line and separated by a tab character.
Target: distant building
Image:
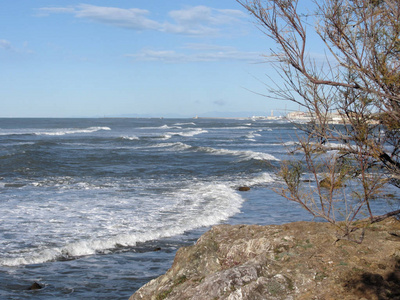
332	118
299	116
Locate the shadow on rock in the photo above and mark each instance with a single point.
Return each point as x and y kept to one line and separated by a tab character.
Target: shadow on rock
376	286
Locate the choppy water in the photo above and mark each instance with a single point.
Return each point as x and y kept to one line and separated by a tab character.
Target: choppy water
95	208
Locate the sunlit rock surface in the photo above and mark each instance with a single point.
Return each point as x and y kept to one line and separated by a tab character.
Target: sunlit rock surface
301	260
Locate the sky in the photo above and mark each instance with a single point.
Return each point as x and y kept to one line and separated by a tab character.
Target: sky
177	58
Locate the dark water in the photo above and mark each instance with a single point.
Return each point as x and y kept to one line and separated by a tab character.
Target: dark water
95	208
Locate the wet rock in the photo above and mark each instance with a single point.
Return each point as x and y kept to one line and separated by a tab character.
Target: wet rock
292	261
244	189
35	286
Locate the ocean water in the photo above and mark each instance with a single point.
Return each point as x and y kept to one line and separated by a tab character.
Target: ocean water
95	208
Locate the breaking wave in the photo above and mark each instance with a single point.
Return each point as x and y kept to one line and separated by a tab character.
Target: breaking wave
243	154
197	205
52	132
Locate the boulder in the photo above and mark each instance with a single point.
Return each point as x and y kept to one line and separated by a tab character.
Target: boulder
301	260
35	286
244	189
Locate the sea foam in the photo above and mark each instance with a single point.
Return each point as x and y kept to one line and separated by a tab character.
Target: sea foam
243	154
72	131
53	132
193	206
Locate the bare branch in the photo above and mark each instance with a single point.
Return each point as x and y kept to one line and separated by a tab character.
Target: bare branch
352	100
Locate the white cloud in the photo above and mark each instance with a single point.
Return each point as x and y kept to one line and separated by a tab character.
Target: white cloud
45	11
152	55
202	20
205	15
133	18
170	56
198	20
208	47
6	45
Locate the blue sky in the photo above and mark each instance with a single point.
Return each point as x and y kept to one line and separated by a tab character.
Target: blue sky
71	58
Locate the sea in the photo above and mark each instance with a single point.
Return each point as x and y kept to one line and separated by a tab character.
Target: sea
95	208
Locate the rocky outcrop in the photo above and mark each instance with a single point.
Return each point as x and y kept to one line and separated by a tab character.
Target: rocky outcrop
302	260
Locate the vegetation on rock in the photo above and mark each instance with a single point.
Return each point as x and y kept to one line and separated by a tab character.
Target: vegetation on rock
292	261
357	79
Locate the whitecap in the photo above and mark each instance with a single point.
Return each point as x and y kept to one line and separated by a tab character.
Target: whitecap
263	178
166	136
178	146
189	133
130	138
192	206
55	132
181	146
244	154
251	135
71	131
182	124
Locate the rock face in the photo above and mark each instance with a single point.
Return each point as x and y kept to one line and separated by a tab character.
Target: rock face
301	260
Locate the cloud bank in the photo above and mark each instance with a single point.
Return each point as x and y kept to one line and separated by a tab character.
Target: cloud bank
196	21
8	46
171	56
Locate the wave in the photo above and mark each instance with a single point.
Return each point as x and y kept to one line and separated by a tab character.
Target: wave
182	124
243	154
188	133
73	131
55	132
130	138
263	178
285	144
77	249
170	127
162	127
252	135
190	207
164	137
178	146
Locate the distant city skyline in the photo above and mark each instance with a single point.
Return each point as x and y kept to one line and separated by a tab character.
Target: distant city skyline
113	58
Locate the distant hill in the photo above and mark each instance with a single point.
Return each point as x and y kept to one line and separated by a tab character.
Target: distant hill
213	114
